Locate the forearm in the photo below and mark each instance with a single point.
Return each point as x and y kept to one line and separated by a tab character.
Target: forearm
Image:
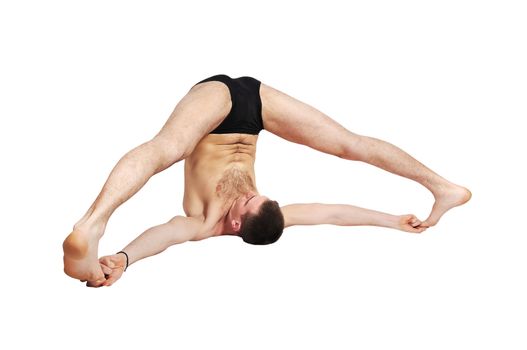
349	215
155	240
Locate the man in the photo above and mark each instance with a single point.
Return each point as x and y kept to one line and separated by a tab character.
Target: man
215	129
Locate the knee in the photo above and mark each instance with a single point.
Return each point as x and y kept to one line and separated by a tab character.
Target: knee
168	151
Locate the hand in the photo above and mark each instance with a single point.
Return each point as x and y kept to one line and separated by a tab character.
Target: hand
410	223
99	279
113	267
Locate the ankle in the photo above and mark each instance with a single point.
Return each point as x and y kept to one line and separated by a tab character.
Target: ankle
91	226
438	187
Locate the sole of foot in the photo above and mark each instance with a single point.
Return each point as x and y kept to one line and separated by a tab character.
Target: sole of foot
80	256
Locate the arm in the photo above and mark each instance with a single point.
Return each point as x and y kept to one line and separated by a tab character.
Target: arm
151	242
347	215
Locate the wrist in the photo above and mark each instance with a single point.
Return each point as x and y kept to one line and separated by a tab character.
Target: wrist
126	259
392	221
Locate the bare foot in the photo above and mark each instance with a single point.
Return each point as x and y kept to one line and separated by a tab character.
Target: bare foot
447	198
80	255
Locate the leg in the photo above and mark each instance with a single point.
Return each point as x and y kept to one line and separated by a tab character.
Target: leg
298	122
199	112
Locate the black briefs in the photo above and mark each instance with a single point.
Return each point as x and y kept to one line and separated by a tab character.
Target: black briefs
245	116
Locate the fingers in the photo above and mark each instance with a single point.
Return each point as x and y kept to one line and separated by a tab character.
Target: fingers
113	277
106	270
111	280
110	277
412	224
108	261
425	224
109	273
414	221
96	277
419	229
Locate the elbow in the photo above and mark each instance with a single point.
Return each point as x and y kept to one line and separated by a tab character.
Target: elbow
342	215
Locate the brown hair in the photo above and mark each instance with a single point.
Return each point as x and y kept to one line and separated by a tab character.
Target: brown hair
265	227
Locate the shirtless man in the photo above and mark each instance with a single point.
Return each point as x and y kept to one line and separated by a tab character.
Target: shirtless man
215	128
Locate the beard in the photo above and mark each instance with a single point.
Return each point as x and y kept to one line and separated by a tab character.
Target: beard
233	184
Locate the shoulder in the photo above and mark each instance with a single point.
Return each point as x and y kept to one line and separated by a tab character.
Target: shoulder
294	214
190	227
204	227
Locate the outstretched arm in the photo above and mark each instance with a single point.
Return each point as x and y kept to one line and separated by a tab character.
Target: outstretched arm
347	215
151	242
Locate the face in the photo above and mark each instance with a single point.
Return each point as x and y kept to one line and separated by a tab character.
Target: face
249	203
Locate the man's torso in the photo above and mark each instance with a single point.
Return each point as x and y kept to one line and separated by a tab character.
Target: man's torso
220	168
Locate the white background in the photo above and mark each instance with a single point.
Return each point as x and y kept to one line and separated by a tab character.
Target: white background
81	83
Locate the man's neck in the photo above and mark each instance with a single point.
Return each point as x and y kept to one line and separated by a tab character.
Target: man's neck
225	224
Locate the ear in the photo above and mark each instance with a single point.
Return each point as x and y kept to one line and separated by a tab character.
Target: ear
236	225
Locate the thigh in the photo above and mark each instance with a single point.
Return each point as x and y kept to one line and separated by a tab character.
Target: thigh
199	112
301	123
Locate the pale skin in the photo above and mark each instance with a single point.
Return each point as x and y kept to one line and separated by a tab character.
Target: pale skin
212	208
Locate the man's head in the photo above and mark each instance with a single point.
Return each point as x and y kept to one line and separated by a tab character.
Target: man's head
256	219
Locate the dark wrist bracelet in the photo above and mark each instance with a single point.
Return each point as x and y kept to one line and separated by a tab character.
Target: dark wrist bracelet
126	258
